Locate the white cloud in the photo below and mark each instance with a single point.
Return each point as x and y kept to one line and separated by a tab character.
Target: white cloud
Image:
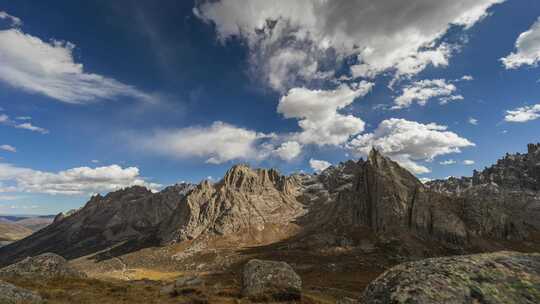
448	162
23	118
14	20
95	161
286	67
319	165
425	180
468	162
467	78
49	68
473	121
288	150
82	180
408	142
527	49
399	35
30	127
523	114
317	111
424	90
218	143
4	119
8	148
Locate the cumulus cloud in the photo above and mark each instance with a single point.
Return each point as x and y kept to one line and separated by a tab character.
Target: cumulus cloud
317	111
318	165
81	180
49	68
218	143
523	114
424	90
408	142
527	49
288	150
468	162
8	148
473	121
400	35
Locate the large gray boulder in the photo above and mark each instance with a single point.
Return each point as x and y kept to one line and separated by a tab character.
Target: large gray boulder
47	265
184	285
11	294
493	278
270	280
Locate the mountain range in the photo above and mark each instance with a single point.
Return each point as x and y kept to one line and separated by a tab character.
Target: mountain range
339	229
263	206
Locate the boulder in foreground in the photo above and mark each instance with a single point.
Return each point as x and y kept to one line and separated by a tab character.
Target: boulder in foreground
184	285
47	265
270	280
501	277
11	294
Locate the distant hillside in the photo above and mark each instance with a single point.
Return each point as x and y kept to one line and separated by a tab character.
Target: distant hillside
36	223
32	222
10	232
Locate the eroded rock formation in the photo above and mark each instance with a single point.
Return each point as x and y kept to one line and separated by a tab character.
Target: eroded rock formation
502	201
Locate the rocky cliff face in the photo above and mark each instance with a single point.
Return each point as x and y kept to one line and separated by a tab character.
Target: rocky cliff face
128	215
244	201
381	195
502	201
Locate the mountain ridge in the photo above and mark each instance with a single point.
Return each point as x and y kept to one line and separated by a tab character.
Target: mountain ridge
261	205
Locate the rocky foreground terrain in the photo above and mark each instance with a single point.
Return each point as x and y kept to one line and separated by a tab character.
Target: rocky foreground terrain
331	234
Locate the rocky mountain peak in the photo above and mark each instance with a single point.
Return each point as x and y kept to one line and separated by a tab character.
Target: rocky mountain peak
255	204
503	200
513	172
243	177
533	148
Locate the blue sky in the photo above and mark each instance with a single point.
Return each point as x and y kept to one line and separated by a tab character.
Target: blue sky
103	95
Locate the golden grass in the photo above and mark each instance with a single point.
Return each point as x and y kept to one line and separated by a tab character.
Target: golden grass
137	274
94	291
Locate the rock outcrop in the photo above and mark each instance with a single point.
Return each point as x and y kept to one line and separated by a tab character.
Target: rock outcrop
47	265
11	294
270	280
129	215
502	201
184	285
385	197
496	278
245	201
